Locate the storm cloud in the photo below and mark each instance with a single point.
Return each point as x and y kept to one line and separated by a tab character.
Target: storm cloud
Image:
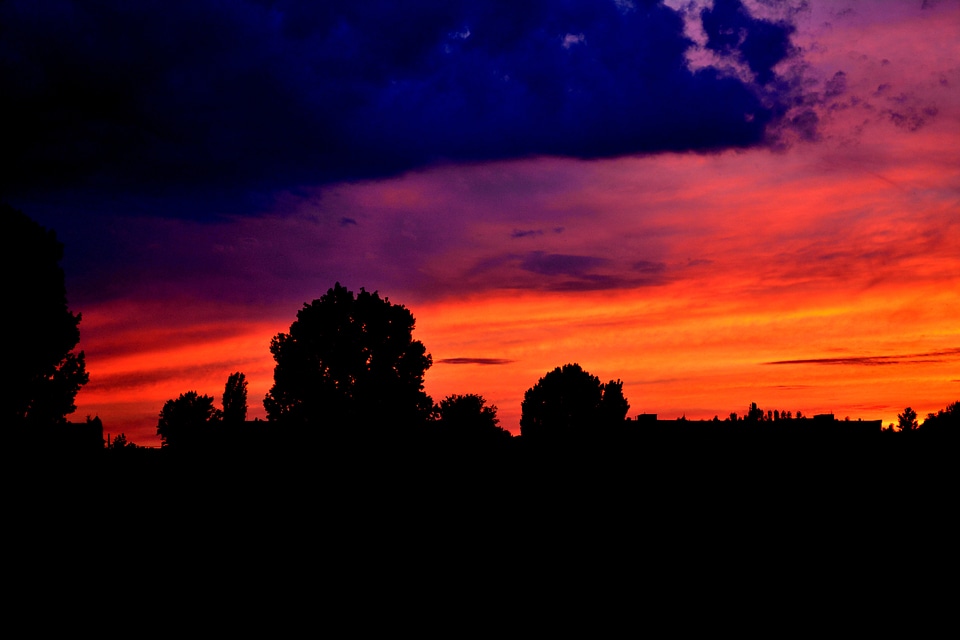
235	100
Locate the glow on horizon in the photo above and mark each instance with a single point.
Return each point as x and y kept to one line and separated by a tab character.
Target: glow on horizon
839	255
747	279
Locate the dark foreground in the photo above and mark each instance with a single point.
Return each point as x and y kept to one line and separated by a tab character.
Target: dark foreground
448	539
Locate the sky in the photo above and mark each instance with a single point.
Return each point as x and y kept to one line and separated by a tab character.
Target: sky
717	203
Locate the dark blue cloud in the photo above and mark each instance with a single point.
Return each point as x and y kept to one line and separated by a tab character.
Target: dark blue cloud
732	31
226	102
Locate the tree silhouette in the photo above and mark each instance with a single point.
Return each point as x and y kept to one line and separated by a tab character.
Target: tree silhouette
235	399
44	373
754	413
468	418
120	443
349	361
907	421
943	422
568	402
188	421
613	404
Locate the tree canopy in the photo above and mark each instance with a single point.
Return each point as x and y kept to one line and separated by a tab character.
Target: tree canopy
944	422
349	361
187	421
569	402
235	399
468	418
45	374
907	421
613	405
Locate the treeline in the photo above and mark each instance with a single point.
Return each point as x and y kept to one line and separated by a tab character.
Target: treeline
349	370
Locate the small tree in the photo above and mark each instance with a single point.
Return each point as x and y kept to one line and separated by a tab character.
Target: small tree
907	421
187	421
613	404
120	443
467	417
235	399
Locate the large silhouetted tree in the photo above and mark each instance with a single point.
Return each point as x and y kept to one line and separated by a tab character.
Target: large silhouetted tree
235	399
188	421
568	402
43	373
349	362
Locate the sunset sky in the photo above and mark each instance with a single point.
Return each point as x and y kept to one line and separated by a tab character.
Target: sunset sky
717	203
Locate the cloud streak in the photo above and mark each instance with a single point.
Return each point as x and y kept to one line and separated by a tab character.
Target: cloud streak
481	361
944	355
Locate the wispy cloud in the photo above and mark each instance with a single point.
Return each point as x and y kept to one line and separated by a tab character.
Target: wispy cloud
483	361
911	358
136	380
526	233
549	264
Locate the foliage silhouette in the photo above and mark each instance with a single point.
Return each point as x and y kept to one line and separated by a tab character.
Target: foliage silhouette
468	418
45	374
613	404
943	422
754	413
349	361
569	402
235	399
907	421
120	443
187	422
